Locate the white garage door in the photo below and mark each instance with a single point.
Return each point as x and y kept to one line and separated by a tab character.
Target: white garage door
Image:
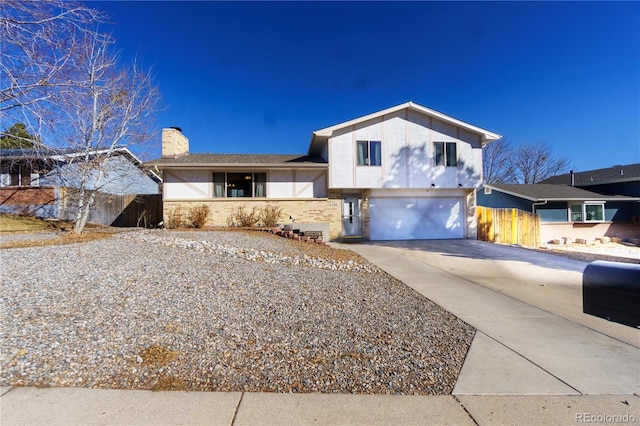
416	218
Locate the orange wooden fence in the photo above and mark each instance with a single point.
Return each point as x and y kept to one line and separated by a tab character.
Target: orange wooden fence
508	226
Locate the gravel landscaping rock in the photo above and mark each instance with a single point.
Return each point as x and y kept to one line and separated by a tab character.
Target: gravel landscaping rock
220	311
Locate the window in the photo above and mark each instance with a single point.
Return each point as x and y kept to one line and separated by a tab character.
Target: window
239	185
576	213
587	212
218	185
445	154
369	153
18	175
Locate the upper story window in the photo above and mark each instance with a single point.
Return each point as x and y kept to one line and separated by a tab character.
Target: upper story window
235	185
369	153
587	212
445	154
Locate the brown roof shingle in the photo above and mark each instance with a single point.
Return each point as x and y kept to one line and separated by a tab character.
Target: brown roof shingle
221	160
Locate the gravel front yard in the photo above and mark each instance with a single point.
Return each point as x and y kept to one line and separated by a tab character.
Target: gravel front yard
219	311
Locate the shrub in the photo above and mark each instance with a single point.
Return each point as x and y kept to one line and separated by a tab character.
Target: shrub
175	218
269	215
197	216
241	217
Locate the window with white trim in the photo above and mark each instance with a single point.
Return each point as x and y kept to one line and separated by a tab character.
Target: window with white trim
369	153
239	185
445	154
587	212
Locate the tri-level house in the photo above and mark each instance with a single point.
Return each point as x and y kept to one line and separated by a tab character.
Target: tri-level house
406	172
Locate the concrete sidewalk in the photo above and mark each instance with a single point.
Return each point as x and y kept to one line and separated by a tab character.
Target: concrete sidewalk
527	365
73	406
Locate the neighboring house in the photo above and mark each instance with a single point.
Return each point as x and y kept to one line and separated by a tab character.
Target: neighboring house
407	172
616	180
39	181
567	211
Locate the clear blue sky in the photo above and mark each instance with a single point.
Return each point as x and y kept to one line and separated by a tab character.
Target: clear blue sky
244	77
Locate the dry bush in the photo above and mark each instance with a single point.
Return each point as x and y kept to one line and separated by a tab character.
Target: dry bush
175	218
269	215
197	216
241	217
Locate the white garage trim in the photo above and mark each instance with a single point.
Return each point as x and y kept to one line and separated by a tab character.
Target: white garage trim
416	218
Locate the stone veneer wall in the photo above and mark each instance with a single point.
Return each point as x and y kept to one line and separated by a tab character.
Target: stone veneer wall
325	210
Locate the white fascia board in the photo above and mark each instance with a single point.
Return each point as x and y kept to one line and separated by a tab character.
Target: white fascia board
121	150
227	166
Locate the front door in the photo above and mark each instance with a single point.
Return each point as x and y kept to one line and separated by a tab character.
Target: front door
351	224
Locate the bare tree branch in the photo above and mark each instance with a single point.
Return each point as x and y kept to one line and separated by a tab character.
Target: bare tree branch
527	163
496	164
533	162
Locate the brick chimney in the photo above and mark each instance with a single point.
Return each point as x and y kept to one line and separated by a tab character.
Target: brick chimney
174	143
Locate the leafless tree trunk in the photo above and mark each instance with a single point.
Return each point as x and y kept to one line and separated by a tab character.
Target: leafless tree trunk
63	77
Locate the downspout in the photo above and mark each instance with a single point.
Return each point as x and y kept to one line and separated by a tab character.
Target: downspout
533	206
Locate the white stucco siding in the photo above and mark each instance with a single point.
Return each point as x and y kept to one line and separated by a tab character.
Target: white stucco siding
342	161
442	131
309	184
419	149
469	166
280	184
394	152
369	131
187	184
472	139
368	177
407	154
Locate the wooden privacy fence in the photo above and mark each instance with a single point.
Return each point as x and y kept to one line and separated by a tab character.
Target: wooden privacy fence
143	211
508	226
115	210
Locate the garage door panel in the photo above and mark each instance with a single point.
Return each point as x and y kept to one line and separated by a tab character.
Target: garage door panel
416	218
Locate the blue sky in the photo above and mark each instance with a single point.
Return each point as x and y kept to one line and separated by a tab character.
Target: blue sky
245	77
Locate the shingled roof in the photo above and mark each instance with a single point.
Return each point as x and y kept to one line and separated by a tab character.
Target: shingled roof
541	192
238	160
615	174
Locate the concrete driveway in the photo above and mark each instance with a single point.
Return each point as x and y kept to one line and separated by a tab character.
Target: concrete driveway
533	338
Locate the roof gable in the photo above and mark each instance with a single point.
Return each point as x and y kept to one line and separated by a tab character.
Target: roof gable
327	132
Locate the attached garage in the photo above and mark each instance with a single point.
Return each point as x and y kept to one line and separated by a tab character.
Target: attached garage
416	218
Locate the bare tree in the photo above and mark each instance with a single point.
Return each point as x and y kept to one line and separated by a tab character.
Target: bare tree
69	83
533	162
496	161
526	163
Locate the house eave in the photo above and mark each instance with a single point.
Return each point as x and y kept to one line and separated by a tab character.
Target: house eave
245	166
